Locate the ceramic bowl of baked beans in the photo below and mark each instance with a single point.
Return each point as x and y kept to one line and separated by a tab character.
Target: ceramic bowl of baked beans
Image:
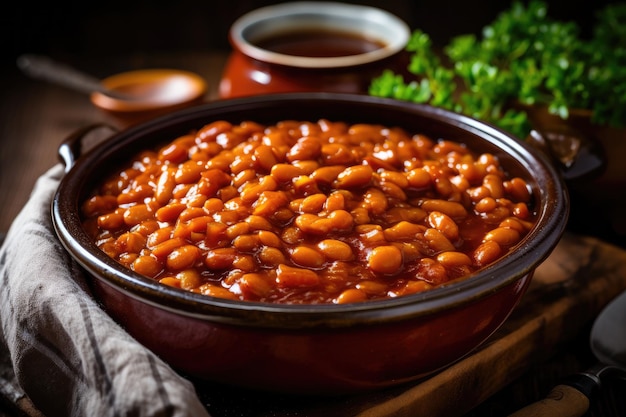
310	243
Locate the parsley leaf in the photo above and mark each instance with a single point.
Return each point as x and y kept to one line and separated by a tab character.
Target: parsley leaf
524	58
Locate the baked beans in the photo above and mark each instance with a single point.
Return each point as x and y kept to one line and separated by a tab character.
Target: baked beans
308	212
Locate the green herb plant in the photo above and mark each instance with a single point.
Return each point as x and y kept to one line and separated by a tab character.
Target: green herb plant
524	58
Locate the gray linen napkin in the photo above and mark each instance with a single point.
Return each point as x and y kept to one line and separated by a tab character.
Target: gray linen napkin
67	355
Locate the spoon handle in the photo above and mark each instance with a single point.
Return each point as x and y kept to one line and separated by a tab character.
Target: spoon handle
46	69
562	401
570	399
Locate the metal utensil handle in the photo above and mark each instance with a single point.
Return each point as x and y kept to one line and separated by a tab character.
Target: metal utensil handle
46	69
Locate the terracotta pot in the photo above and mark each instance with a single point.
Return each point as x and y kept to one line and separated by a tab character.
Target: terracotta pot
279	48
153	92
313	349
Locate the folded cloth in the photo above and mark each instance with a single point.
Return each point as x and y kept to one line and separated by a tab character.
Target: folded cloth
67	355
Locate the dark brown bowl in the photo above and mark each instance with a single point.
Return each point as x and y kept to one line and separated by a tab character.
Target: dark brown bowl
317	348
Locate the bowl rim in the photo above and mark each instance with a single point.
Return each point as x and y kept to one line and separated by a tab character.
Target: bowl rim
196	88
380	24
531	251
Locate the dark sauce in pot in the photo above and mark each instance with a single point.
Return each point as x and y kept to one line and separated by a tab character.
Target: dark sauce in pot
319	43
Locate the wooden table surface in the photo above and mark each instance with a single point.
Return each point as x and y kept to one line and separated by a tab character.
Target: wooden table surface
35	117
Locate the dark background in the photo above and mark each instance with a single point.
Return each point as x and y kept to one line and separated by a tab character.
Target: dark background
94	30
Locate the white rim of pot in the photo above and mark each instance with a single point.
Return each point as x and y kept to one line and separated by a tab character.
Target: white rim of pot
370	22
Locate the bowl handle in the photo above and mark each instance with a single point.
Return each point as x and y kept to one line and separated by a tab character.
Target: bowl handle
576	156
81	141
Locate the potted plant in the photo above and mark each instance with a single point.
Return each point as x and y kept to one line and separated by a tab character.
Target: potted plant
529	72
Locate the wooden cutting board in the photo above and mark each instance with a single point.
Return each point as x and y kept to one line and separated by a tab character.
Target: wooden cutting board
567	292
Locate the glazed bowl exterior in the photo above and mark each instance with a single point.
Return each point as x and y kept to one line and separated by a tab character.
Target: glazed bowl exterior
255	69
158	91
314	349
